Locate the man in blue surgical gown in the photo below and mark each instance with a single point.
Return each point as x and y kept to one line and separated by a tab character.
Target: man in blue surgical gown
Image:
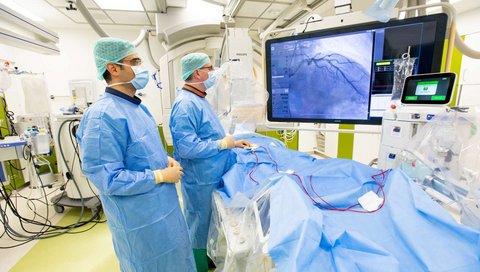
201	146
123	156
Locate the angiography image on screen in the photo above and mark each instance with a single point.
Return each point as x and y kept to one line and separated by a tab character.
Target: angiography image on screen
346	74
308	74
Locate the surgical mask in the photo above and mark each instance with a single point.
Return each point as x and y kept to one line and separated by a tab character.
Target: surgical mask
212	79
141	77
210	82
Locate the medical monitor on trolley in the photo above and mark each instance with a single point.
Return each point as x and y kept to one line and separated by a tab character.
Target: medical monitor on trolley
345	75
428	89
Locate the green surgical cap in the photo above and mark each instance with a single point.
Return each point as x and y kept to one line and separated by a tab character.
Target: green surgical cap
192	62
108	50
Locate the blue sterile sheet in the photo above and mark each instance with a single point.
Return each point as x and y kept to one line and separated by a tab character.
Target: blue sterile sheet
409	233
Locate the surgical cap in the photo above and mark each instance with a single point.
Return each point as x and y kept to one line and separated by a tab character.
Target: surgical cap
108	50
192	62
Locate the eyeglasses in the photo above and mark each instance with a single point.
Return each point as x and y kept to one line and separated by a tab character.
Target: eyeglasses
134	62
210	68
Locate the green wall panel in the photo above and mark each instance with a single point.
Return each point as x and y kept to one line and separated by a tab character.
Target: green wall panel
345	142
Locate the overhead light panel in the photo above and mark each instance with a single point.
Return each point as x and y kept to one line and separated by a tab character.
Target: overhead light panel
16	7
438	1
131	5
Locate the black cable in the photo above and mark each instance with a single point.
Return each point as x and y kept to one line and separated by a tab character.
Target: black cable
9	116
14	182
42	234
72	133
48	230
18	169
307	22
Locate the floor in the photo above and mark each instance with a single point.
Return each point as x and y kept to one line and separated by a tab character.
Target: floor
90	250
78	251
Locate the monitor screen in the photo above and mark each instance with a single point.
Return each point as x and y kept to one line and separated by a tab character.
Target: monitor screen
345	75
428	89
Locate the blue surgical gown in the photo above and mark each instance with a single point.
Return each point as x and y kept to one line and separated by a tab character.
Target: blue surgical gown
120	146
195	129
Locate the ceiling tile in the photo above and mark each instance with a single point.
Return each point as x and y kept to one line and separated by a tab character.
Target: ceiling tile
46	11
243	22
74	15
63	3
261	23
149	5
274	11
176	3
101	17
57	3
90	4
151	15
39	8
252	9
129	17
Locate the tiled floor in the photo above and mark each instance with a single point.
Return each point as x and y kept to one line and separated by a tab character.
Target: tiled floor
10	256
91	250
61	253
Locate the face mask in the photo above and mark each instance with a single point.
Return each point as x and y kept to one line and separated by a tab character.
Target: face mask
210	82
141	77
212	79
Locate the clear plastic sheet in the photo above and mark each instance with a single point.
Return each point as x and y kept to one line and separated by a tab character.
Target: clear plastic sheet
445	156
238	233
238	98
403	68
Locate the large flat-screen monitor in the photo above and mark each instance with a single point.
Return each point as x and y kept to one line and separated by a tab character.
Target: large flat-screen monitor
345	75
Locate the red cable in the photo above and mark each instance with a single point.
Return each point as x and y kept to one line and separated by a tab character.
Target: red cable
331	207
349	208
254	168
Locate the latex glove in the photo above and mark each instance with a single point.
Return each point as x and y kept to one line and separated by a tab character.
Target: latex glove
172	162
242	144
170	174
226	143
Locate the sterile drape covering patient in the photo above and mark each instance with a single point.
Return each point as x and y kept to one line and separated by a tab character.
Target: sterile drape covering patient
285	210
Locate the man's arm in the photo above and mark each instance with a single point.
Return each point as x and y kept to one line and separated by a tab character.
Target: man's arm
183	129
103	142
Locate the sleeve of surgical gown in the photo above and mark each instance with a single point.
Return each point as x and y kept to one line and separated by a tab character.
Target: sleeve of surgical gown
184	125
103	141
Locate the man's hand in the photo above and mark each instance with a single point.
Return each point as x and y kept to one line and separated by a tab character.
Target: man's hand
226	143
170	174
242	144
172	162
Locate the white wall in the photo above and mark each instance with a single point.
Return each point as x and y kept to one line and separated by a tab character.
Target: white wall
468	22
76	62
469	82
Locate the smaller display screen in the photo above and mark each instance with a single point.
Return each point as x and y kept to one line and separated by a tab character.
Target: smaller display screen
428	89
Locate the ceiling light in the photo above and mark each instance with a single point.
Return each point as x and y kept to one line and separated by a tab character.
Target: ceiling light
134	5
274	12
438	1
22	10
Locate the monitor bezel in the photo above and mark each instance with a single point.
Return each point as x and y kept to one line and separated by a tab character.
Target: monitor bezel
430	76
438	44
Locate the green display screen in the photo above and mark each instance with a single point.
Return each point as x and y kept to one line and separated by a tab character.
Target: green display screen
411	97
428	89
